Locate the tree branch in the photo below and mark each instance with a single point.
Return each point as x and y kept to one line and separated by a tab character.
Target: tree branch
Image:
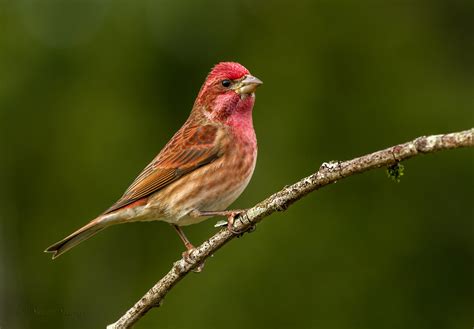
328	173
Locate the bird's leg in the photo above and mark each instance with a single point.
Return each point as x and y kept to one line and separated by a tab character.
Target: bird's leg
231	215
189	248
183	237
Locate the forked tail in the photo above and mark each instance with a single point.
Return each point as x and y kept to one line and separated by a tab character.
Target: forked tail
77	237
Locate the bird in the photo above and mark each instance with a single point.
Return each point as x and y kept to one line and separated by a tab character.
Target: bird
201	171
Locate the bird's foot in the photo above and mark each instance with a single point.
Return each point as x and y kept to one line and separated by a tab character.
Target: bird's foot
190	260
231	215
189	248
234	214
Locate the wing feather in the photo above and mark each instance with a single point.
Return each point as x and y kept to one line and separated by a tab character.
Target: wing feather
190	148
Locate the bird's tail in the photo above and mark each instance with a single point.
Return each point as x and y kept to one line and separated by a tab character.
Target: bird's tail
77	237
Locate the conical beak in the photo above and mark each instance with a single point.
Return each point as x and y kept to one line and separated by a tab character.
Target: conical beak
248	85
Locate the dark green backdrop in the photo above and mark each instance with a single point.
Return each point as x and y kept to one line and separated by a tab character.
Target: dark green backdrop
91	90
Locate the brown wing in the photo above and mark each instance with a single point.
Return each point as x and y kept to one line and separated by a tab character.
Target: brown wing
190	148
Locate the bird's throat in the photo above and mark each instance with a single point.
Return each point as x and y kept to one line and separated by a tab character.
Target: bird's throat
234	109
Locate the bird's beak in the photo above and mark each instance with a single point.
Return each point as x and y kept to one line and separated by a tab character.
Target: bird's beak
247	85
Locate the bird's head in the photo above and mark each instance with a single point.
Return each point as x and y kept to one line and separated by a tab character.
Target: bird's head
229	90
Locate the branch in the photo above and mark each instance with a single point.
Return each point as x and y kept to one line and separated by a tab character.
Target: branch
328	173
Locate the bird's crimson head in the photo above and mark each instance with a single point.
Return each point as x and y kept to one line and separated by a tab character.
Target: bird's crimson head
228	90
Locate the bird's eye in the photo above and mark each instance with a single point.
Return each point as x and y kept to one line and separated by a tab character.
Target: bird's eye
226	83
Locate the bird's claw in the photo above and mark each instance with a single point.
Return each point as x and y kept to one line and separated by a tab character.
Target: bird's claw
230	224
188	259
252	228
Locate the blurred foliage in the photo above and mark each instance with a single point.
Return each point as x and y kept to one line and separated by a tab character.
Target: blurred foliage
90	90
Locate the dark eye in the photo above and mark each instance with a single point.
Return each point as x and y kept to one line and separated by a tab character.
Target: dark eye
226	83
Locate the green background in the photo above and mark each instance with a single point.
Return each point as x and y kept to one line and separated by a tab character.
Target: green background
91	90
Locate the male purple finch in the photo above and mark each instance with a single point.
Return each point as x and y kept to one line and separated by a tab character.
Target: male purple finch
204	167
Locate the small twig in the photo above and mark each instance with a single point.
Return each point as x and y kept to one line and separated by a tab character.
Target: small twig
328	173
